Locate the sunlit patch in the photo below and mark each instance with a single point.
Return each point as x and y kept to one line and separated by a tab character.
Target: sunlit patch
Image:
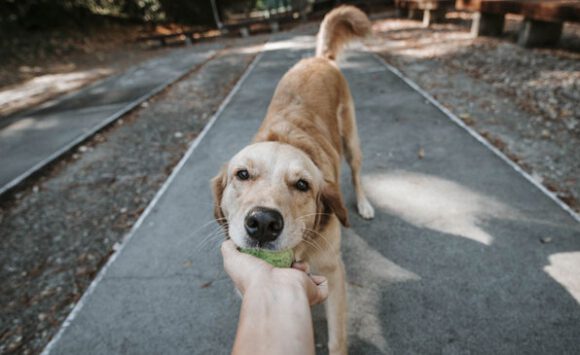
17	127
22	124
425	47
555	79
44	87
296	43
248	49
365	296
435	203
565	269
424	43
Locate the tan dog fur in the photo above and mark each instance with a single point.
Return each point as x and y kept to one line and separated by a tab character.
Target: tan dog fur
309	125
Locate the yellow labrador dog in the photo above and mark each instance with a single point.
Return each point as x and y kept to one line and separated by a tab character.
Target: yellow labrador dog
282	191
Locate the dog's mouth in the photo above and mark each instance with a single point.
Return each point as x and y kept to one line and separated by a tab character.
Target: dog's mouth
266	228
251	243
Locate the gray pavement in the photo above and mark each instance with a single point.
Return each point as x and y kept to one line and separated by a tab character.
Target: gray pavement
32	139
464	256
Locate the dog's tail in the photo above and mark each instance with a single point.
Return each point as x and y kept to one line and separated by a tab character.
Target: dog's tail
339	27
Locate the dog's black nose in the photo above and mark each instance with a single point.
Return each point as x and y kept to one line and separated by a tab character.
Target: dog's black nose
264	224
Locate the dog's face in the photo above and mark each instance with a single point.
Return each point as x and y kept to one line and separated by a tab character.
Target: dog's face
272	196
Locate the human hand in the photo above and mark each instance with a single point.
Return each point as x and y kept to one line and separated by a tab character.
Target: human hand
248	272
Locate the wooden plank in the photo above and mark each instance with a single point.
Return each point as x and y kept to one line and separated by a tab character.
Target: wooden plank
468	5
543	10
555	11
534	33
487	24
500	6
424	4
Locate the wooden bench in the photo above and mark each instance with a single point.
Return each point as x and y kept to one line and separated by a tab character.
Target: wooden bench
430	10
543	19
163	39
243	25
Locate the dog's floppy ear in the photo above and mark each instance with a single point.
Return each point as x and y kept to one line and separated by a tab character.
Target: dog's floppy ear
331	200
218	184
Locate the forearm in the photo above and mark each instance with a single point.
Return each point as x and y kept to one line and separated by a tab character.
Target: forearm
275	320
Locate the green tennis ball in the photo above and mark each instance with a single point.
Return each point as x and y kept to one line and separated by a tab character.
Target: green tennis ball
276	258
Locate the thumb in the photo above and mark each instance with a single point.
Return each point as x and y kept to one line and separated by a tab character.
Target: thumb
231	257
239	266
229	253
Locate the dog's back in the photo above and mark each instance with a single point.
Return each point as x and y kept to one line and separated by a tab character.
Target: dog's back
304	109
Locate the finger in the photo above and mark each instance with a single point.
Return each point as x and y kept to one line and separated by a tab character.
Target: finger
234	258
228	248
322	291
302	266
317	293
239	266
229	254
318	279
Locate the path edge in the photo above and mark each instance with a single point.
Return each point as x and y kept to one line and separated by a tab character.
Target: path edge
15	182
475	135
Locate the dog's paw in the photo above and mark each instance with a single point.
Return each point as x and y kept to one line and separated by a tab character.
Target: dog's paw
365	209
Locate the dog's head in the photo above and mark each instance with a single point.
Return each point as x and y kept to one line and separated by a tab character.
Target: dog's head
271	195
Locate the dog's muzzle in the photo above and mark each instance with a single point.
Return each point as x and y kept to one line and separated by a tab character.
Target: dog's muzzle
264	224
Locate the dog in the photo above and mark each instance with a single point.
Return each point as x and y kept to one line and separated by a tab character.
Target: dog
283	190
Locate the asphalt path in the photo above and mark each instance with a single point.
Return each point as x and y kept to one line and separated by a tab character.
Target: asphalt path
32	139
465	254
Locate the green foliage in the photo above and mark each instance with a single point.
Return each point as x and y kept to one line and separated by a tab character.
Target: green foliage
186	11
47	14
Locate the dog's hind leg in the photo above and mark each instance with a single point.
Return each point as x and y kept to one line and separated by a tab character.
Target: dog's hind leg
353	154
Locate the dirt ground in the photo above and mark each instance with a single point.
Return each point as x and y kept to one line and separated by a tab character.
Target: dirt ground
58	230
524	101
57	233
37	66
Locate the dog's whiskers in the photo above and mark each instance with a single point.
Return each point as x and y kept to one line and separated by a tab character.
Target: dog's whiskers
208	224
313	214
313	232
313	245
216	235
309	233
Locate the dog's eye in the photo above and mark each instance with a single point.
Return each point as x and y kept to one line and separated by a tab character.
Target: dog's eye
243	174
302	185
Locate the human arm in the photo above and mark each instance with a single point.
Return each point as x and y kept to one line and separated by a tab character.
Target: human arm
275	317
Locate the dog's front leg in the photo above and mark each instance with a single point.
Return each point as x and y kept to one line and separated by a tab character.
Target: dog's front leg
336	306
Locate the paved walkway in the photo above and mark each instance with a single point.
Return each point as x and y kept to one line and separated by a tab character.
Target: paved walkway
464	256
30	140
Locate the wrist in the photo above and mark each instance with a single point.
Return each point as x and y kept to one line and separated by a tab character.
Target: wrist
276	311
278	284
